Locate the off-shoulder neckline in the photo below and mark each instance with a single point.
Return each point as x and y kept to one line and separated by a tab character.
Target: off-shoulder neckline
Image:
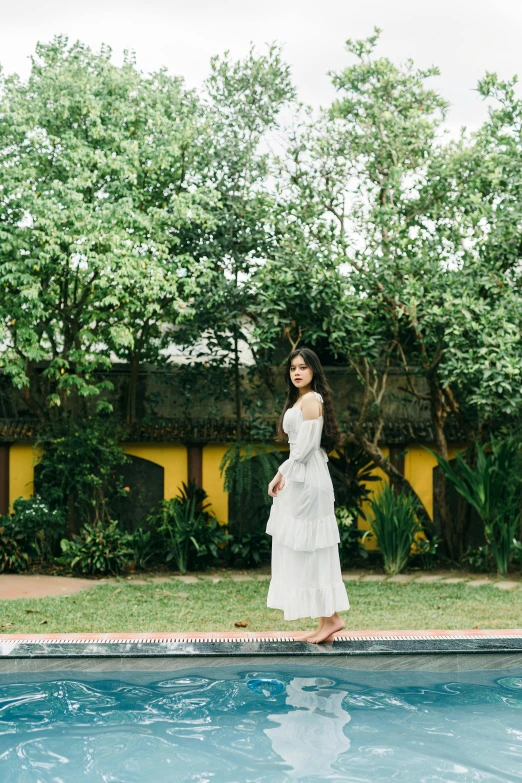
299	409
318	397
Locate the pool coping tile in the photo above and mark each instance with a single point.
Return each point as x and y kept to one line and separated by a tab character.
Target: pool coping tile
267	643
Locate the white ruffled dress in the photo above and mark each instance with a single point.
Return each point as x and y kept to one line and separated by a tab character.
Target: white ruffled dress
306	571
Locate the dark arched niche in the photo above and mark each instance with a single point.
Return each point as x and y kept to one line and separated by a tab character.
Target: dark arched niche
146	481
475	536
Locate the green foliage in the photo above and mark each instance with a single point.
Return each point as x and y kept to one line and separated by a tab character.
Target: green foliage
395	526
478	558
79	470
144	547
40	527
13	554
493	489
136	213
252	548
517	552
99	549
401	250
242	471
427	551
243	100
192	536
98	179
351	470
350	546
248	469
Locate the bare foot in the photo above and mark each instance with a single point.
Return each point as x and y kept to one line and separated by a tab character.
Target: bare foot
331	625
307	634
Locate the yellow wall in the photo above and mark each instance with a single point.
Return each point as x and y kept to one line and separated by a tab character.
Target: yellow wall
213	481
171	456
418	469
22	459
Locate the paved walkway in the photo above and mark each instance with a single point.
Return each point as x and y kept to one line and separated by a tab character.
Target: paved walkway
40	586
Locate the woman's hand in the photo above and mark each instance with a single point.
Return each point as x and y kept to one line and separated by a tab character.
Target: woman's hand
277	483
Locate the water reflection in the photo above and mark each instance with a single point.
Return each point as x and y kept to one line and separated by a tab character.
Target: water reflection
267	726
310	737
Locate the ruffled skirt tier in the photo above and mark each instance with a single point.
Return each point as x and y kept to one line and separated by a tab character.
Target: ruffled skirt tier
306	572
306	584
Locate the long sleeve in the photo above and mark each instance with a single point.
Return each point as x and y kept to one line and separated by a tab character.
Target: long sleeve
307	441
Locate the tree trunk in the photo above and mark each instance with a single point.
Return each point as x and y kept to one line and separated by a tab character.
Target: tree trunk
132	391
30	395
438	417
397	460
71	514
237	389
463	524
135	363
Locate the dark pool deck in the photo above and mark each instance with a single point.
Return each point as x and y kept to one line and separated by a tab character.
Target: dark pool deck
427	649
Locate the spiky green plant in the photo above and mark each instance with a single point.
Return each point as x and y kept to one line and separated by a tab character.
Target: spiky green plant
493	489
395	525
191	533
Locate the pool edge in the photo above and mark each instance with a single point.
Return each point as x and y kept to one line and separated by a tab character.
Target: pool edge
436	650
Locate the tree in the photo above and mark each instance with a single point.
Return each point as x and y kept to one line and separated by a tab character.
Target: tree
93	162
341	176
405	221
242	101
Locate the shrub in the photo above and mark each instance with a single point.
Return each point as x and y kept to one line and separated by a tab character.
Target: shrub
248	469
253	548
426	549
395	526
350	546
99	549
493	489
478	558
40	527
352	470
13	556
517	552
79	473
190	533
143	547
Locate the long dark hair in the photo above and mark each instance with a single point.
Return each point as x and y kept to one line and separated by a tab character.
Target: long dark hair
331	434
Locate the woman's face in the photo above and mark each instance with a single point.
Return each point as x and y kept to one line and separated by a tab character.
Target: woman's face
300	374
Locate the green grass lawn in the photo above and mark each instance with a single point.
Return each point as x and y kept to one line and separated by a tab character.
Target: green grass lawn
174	606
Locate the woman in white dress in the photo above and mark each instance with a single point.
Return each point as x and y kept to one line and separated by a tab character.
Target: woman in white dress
306	571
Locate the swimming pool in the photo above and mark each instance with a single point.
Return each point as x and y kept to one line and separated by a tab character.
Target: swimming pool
268	723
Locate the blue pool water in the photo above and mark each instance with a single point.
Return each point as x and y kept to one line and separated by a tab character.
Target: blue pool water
234	725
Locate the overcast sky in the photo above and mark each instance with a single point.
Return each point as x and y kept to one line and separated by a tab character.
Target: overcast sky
464	38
